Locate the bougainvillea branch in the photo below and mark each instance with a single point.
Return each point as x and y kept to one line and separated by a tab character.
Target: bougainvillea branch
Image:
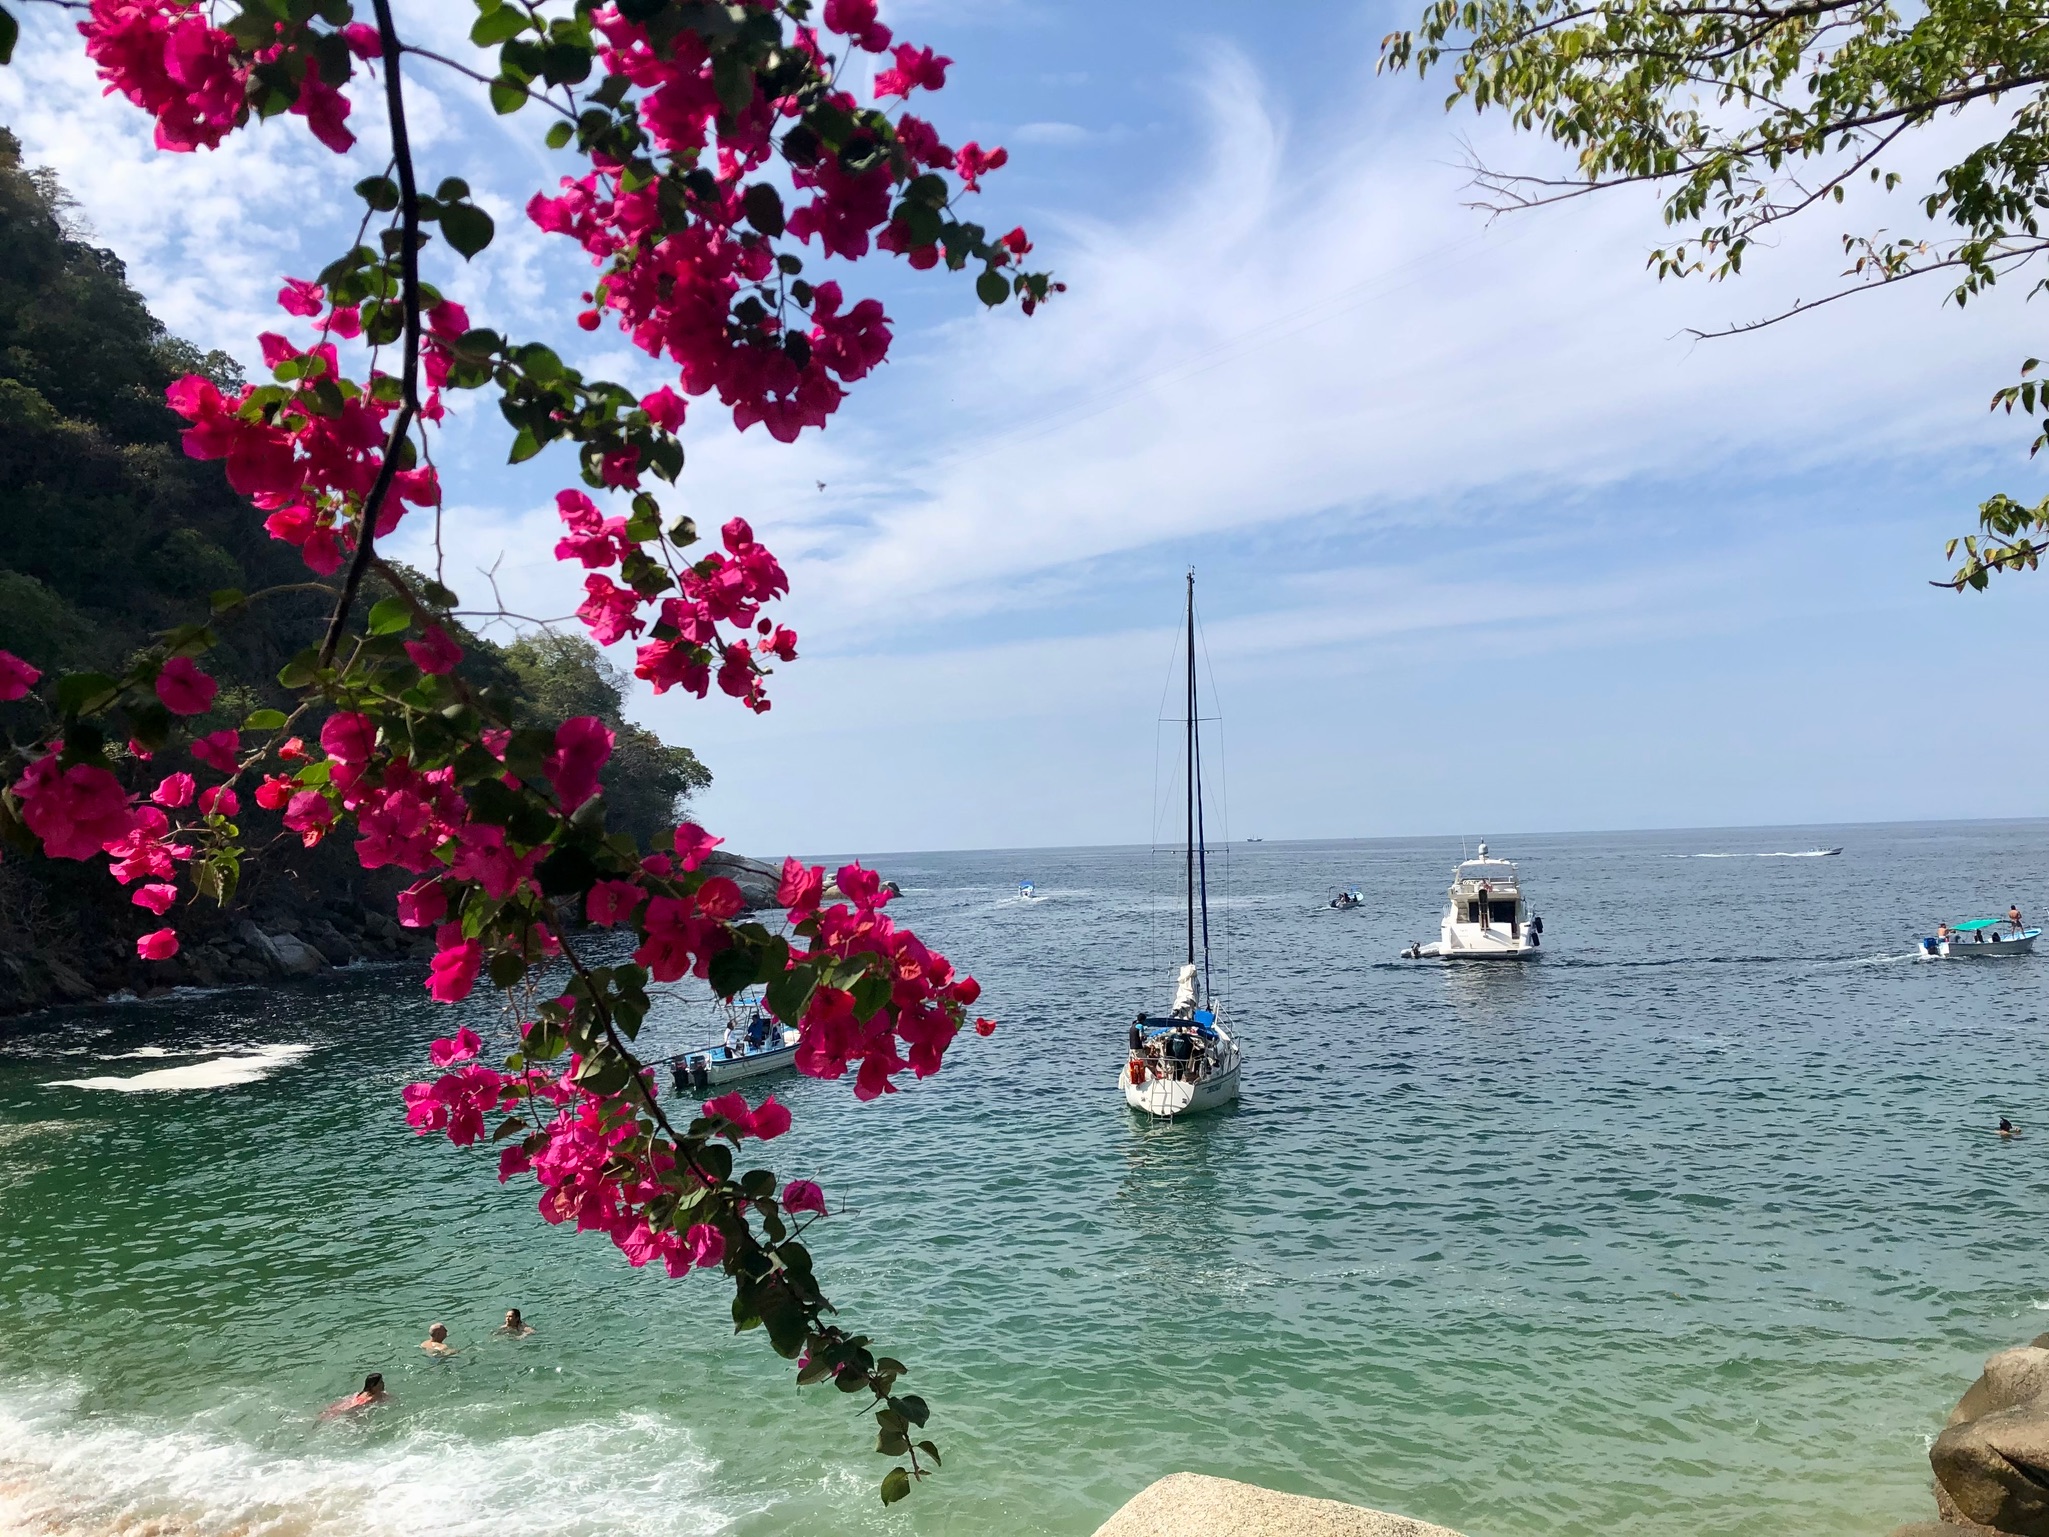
702	266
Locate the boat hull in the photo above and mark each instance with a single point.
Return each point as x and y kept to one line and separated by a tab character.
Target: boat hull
2014	944
1169	1098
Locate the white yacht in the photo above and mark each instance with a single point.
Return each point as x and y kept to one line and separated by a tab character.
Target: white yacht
1486	918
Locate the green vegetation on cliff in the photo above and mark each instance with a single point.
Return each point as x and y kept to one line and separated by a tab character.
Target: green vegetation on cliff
107	529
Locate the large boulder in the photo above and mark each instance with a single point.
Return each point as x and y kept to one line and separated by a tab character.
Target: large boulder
1196	1505
1992	1460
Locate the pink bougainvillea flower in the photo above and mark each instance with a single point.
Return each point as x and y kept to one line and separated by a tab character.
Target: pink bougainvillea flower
275	793
16	677
801	888
721	898
460	1048
157	897
184	689
693	843
665	408
423	906
582	746
456	964
174	790
309	814
705	1245
434	652
916	70
76	812
985	1027
220	800
610	902
160	945
733	1107
771	1120
802	1195
299	297
349	738
218	749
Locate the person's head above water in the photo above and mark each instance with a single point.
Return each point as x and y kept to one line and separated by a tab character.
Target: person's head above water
374	1384
513	1320
437	1333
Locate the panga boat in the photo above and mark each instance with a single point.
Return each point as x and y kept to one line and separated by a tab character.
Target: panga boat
1187	1061
1485	919
1345	900
761	1046
1027	892
1979	939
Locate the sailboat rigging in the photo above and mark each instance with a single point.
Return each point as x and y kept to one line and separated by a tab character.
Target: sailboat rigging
1187	1060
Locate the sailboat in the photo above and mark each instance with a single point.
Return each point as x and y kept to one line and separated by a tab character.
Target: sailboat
1186	1061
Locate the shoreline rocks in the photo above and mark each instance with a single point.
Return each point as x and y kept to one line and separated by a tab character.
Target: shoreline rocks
1991	1461
1197	1505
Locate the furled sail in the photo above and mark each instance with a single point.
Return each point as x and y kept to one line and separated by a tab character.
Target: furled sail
1184	990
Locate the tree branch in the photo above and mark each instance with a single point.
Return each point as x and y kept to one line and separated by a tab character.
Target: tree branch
409	374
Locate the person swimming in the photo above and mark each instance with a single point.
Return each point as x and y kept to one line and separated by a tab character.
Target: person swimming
373	1393
436	1342
515	1326
2007	1129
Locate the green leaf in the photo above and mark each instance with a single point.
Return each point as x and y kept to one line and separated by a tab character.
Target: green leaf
467	227
506	970
524	446
764	208
730	970
896	1483
931	1451
380	192
559	134
76	690
388	616
992	288
499	26
10	31
506	98
264	720
226	598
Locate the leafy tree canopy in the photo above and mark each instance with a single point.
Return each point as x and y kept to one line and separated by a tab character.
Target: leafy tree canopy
1749	113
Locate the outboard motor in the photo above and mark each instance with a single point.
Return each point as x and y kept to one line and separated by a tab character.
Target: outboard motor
700	1079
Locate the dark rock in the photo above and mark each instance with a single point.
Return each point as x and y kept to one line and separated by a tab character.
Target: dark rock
756	878
328	940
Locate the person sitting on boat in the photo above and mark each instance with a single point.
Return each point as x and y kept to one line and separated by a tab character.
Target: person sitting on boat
757	1031
1181	1053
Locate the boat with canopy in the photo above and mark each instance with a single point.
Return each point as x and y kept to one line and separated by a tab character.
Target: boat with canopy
1186	1061
1979	939
753	1047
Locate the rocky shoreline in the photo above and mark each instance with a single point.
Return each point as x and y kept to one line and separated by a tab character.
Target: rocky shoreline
283	930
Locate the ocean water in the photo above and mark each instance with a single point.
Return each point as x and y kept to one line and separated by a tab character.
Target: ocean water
1697	1226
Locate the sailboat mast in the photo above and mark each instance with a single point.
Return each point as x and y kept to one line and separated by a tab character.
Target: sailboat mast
1191	768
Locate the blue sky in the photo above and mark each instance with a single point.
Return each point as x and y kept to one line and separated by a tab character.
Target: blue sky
1485	542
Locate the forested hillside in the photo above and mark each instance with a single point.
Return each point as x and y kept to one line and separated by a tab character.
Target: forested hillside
108	533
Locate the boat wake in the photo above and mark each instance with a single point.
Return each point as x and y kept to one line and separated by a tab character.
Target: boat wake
217	1073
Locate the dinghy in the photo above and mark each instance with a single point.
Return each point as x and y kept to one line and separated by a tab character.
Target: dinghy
1978	939
1186	1062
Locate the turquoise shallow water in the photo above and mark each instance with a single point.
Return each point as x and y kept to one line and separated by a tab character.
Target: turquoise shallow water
1695	1227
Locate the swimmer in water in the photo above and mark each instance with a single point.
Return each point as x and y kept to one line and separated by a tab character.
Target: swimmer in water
373	1393
436	1342
2007	1129
516	1326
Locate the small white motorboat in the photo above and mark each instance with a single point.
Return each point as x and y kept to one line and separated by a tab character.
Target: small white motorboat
1027	892
1978	939
1344	901
1486	918
762	1046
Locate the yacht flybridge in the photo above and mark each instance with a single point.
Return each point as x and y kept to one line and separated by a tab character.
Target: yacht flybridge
1186	1061
1486	918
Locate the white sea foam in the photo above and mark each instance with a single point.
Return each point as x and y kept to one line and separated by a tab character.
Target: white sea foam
218	1073
66	1474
